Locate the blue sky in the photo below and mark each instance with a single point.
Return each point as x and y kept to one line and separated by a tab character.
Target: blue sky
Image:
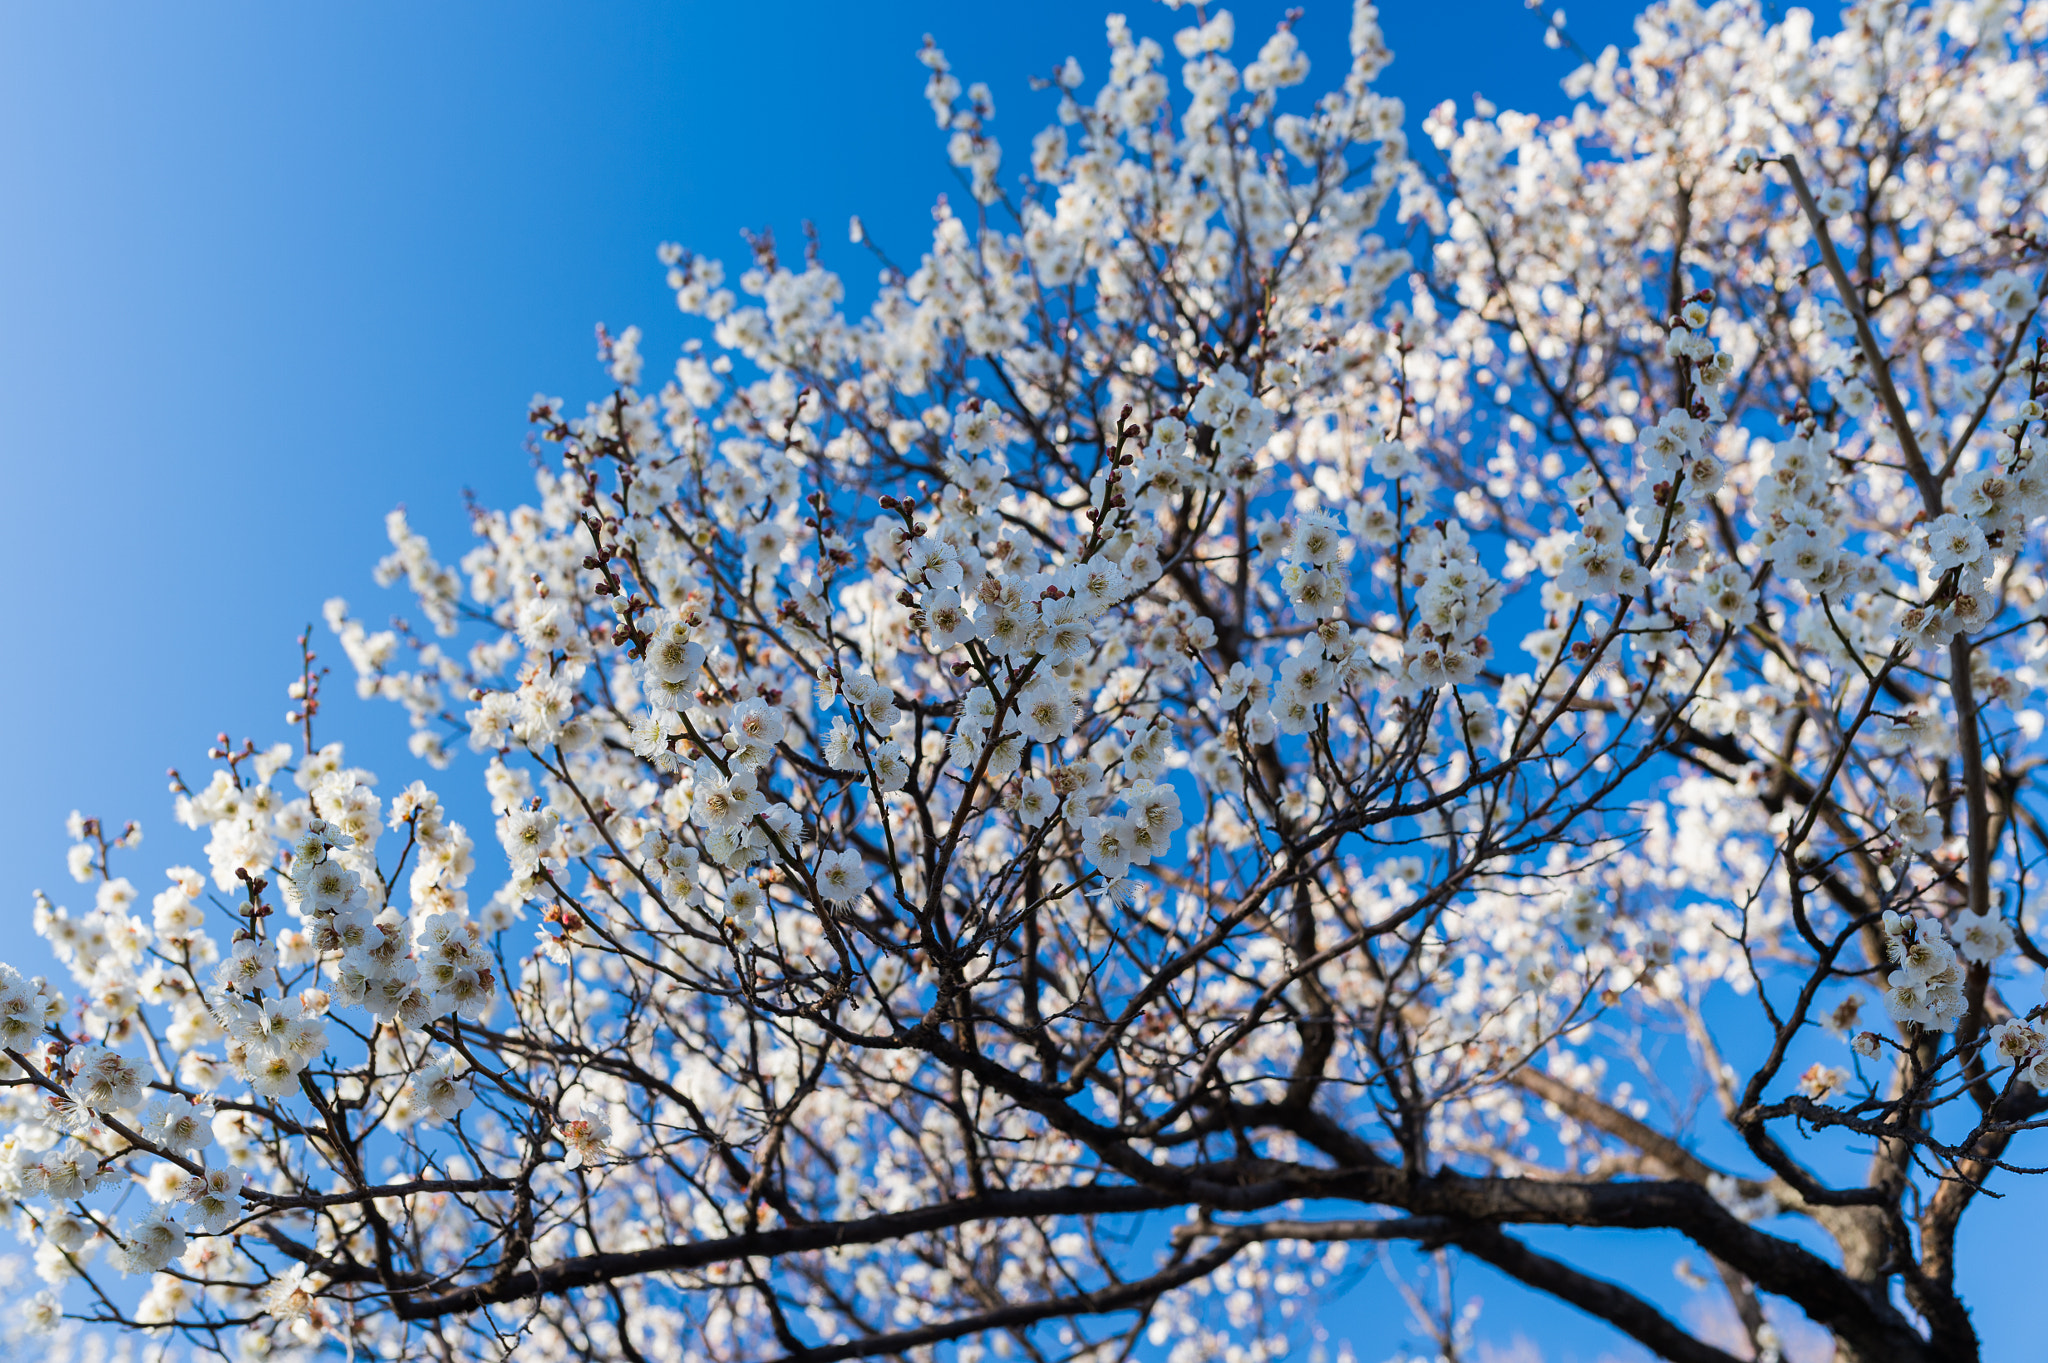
268	271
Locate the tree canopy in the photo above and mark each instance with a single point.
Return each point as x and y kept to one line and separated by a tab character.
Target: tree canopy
1277	692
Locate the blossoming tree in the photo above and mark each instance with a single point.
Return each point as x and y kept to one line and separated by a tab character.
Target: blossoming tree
1186	737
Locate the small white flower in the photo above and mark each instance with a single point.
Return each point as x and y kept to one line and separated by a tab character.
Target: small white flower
841	876
583	1139
1953	540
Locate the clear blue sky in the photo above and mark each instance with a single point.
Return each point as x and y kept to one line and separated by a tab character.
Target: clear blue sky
267	271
